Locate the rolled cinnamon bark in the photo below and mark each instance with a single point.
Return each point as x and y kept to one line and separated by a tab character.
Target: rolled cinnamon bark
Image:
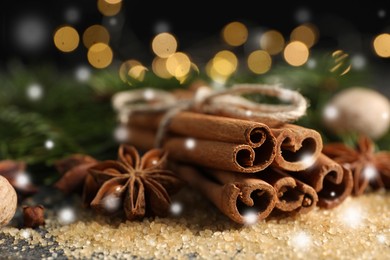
208	127
207	153
232	193
332	182
297	147
292	195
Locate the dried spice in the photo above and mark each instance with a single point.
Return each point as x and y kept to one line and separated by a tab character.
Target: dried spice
74	170
15	173
33	216
137	186
368	166
8	201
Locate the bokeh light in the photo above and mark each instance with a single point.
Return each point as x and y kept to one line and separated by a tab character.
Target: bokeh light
190	143
306	33
109	7
34	92
66	216
164	45
132	68
22	180
30	33
137	72
49	144
301	241
342	64
66	39
178	64
159	67
225	63
382	45
251	217
72	14
235	33
296	53
82	73
100	55
121	134
176	208
161	26
95	34
358	62
272	41
259	62
352	215
302	15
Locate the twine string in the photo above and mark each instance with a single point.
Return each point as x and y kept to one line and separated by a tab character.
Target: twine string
228	102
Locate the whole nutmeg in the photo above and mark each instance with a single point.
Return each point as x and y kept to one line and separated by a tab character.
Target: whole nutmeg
358	110
8	201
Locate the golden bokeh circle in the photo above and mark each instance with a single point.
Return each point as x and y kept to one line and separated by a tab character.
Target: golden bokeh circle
66	39
259	62
296	53
164	45
306	33
382	45
109	7
100	55
178	64
159	67
235	33
272	41
125	68
95	34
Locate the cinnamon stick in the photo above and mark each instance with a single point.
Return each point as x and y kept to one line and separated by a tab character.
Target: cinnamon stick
232	193
332	182
207	153
297	147
208	127
292	195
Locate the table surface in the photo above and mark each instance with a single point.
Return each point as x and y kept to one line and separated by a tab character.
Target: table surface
357	229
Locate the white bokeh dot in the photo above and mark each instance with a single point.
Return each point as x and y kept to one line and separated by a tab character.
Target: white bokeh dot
250	217
82	73
66	216
176	208
161	26
330	112
49	144
311	63
121	134
34	91
22	179
302	15
190	143
370	172
358	62
72	14
381	13
301	241
149	94
30	33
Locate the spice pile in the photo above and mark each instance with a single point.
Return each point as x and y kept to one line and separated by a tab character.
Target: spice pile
245	166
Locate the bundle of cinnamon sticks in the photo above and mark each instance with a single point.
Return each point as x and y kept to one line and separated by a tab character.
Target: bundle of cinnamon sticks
245	166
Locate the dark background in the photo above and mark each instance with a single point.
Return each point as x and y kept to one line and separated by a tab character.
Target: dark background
195	24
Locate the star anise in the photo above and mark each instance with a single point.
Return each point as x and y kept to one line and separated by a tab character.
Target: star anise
74	170
137	186
369	168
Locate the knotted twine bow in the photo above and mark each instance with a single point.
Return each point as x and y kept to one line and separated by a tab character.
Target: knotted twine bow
227	102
